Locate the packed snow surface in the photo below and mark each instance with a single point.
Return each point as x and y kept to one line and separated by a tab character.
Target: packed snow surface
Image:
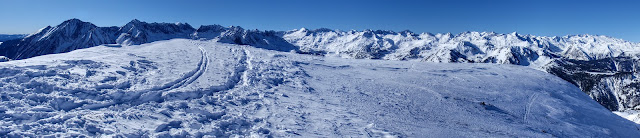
185	87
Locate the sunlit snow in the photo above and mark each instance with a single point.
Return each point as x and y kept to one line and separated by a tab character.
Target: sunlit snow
194	88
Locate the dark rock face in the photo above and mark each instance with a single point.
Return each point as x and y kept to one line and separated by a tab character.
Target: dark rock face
611	82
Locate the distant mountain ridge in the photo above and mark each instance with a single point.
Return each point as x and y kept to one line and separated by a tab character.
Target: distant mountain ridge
5	37
603	67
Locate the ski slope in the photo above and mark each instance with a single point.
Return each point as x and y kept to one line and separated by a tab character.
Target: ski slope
197	88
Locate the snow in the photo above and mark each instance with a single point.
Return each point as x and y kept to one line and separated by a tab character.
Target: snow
613	87
4	59
185	87
633	115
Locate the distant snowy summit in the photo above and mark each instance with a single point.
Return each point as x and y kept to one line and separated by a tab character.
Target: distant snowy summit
603	67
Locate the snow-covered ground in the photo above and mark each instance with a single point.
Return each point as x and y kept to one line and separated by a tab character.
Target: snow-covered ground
194	88
633	115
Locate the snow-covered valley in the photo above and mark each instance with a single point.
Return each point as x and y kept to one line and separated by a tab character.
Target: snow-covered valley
183	87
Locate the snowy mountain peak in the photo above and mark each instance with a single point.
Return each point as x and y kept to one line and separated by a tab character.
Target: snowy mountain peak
215	27
135	21
514	34
39	31
69	35
161	26
236	28
74	20
323	30
209	31
72	28
138	32
409	32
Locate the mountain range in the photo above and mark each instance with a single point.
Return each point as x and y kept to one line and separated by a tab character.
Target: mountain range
603	67
5	37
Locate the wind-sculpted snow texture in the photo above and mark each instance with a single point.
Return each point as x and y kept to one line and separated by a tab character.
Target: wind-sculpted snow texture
199	88
603	67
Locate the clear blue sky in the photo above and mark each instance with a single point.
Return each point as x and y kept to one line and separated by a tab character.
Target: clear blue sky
619	19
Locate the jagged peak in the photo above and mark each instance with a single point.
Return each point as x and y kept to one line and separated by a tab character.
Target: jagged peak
235	28
514	33
384	32
489	33
319	30
428	34
157	27
39	31
136	21
407	31
448	34
184	24
322	30
215	27
75	21
465	33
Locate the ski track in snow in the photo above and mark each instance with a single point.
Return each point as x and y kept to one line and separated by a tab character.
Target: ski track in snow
528	108
155	94
191	76
246	58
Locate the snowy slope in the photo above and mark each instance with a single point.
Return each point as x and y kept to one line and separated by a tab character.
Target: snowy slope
194	88
601	66
633	115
